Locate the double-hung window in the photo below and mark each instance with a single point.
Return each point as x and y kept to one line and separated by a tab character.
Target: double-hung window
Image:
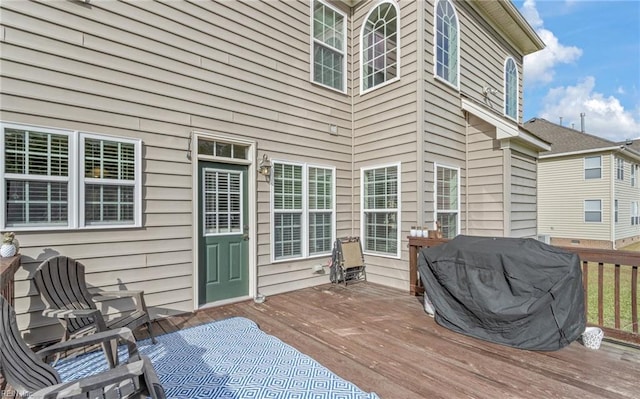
380	46
328	46
634	175
446	42
511	89
593	211
593	167
635	215
59	179
447	197
303	195
380	210
619	168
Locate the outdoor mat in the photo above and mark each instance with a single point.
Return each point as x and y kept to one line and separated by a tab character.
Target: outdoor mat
230	358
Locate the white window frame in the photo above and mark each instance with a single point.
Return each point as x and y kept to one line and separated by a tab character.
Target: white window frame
435	194
314	41
592	168
397	48
511	89
397	210
592	201
455	84
634	174
619	168
76	180
305	211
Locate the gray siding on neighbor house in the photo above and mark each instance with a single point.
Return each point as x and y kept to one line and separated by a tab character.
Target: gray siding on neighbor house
385	132
562	190
158	71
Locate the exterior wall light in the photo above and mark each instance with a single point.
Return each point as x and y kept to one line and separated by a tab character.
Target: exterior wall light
264	167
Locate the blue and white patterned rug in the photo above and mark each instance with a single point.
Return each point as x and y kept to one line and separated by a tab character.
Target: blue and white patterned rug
230	358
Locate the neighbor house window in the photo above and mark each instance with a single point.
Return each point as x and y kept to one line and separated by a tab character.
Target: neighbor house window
447	200
303	195
328	46
615	211
49	184
380	209
446	42
380	44
619	168
593	167
511	89
635	216
634	174
593	211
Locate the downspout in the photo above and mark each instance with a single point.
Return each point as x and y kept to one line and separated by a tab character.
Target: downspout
420	97
353	134
466	172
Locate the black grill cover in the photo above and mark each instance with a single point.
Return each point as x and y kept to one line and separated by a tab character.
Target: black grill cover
511	291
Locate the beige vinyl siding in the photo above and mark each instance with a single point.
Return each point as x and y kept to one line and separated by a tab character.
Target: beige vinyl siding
158	71
625	194
562	190
385	132
523	195
485	187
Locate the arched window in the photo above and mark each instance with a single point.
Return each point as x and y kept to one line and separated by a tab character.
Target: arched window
511	89
380	44
447	42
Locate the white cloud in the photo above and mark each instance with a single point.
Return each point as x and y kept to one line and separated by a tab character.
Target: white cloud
539	66
604	116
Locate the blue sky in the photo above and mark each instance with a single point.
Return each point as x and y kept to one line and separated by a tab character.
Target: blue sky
591	64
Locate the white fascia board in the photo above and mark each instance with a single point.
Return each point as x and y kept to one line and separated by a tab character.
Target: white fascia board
580	152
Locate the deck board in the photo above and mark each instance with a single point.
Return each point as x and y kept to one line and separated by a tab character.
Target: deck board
380	339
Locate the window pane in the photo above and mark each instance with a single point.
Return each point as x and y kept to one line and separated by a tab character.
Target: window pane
446	42
328	46
379	46
320	233
222	210
287	235
447	206
36	203
109	204
380	188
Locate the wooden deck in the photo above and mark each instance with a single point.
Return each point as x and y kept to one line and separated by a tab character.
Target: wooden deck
380	339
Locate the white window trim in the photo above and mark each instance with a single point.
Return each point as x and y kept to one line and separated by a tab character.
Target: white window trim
398	47
397	255
506	89
305	211
312	41
435	46
76	180
435	193
584	167
584	211
619	168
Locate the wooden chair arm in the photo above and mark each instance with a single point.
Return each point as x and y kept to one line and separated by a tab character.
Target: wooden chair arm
109	295
92	383
122	334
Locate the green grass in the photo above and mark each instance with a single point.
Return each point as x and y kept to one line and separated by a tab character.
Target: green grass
609	296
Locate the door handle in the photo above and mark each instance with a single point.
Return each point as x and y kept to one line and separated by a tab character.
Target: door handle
245	237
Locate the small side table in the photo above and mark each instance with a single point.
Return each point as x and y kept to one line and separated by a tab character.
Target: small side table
8	267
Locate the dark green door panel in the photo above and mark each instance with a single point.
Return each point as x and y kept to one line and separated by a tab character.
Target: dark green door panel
223	263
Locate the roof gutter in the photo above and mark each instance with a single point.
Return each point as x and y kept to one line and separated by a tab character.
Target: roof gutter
621	148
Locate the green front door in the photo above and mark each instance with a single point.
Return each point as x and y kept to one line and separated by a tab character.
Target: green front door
223	264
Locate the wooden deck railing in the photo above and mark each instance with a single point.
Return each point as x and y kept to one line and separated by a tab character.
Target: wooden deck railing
616	288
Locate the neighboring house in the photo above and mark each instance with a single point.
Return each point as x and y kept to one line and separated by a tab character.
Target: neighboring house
210	151
588	188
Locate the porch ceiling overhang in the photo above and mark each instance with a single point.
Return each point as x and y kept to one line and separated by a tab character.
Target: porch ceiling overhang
505	18
504	128
351	3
